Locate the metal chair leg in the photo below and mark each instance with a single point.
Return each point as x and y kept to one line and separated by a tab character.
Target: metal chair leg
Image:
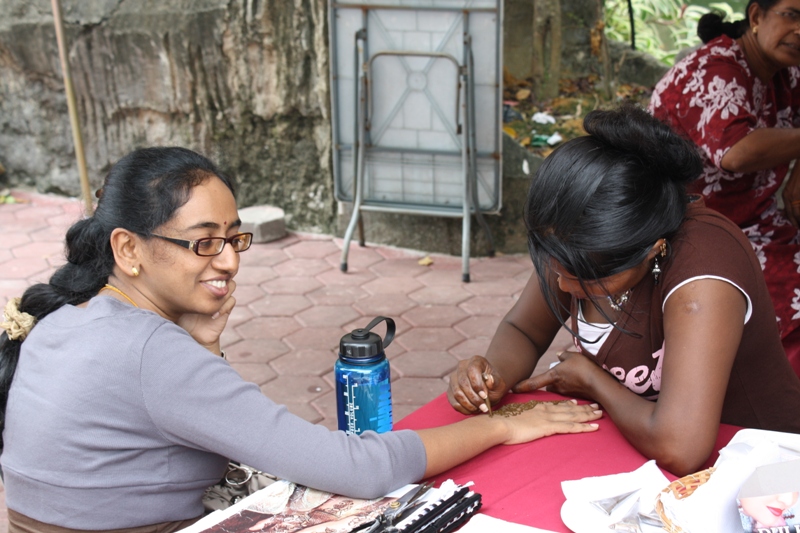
355	219
465	233
473	159
348	235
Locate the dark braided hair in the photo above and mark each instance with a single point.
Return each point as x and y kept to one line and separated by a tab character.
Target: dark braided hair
142	191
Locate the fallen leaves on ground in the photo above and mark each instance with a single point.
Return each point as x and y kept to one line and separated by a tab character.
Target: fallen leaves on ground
7	198
576	98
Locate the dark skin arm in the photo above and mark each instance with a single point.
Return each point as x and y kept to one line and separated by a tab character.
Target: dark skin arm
791	194
767	148
513	353
703	324
762	149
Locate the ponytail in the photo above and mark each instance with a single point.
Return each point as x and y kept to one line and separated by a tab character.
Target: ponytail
712	25
90	261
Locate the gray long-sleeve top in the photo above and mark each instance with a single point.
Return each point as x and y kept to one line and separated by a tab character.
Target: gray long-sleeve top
117	418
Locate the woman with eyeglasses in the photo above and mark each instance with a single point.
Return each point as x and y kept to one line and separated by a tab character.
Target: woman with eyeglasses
117	410
738	99
673	326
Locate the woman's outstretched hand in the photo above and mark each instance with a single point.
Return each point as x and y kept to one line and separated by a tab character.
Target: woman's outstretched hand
473	381
549	419
476	381
450	445
206	329
573	376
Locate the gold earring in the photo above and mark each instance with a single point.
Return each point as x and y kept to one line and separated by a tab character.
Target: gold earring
663	249
755	30
134	271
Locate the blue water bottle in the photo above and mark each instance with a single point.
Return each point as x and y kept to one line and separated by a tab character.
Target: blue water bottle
363	384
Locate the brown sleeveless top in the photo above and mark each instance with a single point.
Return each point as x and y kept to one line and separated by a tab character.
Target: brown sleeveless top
763	391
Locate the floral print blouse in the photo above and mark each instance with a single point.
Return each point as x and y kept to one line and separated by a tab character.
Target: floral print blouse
713	98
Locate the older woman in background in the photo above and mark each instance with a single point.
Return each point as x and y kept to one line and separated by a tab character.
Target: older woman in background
738	99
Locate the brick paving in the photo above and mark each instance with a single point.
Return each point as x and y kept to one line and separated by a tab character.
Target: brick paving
293	305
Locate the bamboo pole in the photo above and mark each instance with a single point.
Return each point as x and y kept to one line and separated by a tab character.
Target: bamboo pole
77	138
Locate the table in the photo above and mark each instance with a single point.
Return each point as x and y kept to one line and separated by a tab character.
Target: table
522	483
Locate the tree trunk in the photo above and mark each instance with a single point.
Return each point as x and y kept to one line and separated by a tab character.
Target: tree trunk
546	48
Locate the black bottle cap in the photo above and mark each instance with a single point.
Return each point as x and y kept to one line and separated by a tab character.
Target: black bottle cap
362	346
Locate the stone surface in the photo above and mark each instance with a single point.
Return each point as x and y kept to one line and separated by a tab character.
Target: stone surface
517	51
578	18
265	222
245	83
635	66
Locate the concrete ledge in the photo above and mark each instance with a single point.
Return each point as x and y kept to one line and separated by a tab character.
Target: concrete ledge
265	222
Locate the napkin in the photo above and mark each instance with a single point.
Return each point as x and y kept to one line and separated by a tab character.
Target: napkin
618	498
481	523
712	507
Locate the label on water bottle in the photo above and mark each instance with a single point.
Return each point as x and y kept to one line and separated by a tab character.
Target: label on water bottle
364	402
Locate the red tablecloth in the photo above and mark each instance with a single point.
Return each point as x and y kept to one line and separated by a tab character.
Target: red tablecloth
522	483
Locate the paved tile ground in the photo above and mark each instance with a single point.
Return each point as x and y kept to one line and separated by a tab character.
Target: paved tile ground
294	304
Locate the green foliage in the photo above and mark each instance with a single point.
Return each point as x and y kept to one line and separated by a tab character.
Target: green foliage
663	27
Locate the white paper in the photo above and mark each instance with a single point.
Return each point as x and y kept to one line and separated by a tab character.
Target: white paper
712	507
543	118
639	489
597	488
554	139
481	523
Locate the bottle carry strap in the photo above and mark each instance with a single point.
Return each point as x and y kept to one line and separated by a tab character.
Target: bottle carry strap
389	328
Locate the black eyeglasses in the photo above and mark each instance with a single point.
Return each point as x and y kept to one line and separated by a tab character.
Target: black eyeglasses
209	246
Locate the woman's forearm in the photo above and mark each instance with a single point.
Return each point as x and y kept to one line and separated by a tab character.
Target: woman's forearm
762	149
512	354
474	435
525	333
673	445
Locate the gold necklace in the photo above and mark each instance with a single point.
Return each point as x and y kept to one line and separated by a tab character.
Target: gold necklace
113	288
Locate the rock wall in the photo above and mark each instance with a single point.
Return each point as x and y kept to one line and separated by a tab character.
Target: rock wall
242	81
581	29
